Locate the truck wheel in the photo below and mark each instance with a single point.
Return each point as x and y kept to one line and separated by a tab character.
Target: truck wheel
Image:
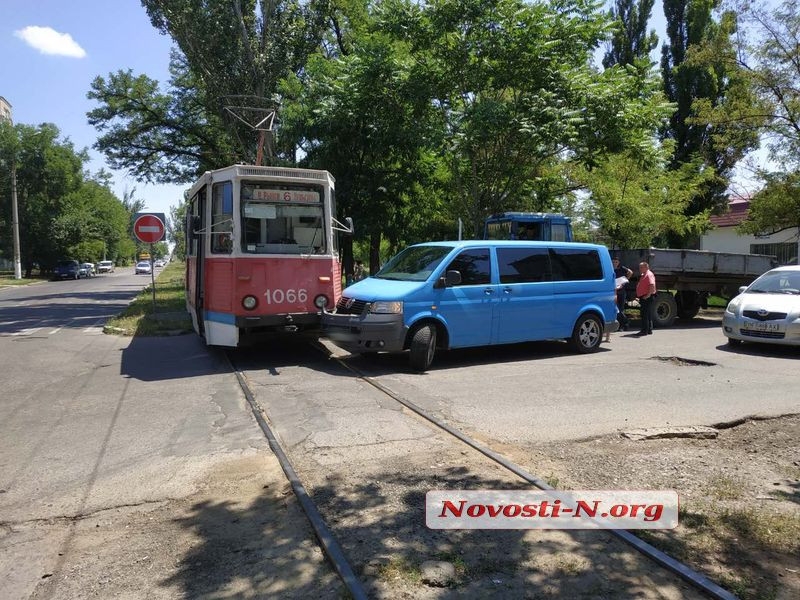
423	347
665	310
688	304
587	334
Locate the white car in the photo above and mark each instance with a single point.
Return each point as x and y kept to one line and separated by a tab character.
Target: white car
768	310
144	267
105	266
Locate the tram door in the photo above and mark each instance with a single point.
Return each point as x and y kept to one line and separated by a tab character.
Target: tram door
200	268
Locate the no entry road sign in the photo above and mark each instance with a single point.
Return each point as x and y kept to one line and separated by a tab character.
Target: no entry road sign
149	228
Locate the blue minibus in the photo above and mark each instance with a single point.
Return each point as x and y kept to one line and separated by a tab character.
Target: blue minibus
459	294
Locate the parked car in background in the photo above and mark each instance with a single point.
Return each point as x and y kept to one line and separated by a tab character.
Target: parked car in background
768	310
105	266
67	269
87	269
159	263
143	267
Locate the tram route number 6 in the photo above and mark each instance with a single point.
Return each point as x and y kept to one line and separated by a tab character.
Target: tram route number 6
290	295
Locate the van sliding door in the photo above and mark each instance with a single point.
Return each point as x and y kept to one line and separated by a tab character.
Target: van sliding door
525	310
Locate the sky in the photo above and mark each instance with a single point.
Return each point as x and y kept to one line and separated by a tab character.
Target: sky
51	51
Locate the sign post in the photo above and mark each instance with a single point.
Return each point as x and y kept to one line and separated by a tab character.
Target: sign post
149	228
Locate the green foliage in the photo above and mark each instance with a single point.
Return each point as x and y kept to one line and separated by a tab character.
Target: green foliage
62	210
776	206
638	200
431	112
162	137
769	52
461	108
701	75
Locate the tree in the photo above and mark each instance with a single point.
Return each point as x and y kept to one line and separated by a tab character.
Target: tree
776	207
163	137
699	75
517	97
637	200
767	104
63	211
229	53
630	41
366	116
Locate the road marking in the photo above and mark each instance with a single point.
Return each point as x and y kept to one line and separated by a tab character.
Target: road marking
30	331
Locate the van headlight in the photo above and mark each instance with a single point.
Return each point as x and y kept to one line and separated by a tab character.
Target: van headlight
386	308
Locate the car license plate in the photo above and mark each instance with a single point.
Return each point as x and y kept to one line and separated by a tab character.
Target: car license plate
761	326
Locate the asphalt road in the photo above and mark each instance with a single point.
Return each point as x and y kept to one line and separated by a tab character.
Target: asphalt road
684	375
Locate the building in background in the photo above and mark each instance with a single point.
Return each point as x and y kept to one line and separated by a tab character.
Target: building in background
785	245
5	110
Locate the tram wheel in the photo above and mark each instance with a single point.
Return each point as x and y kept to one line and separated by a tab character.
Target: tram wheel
423	347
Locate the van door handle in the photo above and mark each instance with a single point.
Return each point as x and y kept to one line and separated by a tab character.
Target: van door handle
506	290
488	291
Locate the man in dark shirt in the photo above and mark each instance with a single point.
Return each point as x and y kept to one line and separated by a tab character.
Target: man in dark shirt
621	271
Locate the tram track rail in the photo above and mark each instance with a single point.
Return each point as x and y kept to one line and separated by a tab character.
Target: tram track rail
333	550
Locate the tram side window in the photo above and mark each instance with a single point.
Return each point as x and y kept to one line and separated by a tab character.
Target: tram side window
222	218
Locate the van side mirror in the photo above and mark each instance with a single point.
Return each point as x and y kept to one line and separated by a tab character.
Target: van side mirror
450	279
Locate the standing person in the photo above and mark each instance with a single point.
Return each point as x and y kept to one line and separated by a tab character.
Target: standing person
646	291
358	273
621	271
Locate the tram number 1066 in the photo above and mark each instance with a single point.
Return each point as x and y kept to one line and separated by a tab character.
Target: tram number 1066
290	295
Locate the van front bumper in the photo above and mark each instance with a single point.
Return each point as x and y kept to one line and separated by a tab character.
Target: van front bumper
365	333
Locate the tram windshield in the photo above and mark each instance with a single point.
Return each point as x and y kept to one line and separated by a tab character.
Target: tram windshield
282	219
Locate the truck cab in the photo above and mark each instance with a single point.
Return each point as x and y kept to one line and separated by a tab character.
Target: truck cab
546	227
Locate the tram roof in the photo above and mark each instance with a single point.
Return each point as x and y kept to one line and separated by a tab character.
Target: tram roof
268	173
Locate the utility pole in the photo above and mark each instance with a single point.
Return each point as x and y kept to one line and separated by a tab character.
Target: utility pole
15	220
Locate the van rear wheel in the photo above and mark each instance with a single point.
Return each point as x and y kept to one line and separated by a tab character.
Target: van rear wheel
423	347
587	334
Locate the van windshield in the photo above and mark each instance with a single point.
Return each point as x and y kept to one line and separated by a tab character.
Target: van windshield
414	264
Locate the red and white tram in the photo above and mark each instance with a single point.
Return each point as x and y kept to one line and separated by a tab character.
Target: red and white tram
261	251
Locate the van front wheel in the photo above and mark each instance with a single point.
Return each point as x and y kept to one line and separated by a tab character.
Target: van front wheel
423	347
587	334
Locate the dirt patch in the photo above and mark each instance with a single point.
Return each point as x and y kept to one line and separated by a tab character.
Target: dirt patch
739	494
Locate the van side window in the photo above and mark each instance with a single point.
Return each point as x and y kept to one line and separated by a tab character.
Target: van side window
474	266
575	265
523	265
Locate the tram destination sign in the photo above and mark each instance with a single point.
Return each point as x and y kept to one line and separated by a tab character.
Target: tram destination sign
149	227
286	195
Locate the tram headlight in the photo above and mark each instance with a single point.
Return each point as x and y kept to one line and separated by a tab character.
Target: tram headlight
321	301
249	302
386	308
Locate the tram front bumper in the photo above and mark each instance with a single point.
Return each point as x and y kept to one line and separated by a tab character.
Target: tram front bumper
365	333
282	322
